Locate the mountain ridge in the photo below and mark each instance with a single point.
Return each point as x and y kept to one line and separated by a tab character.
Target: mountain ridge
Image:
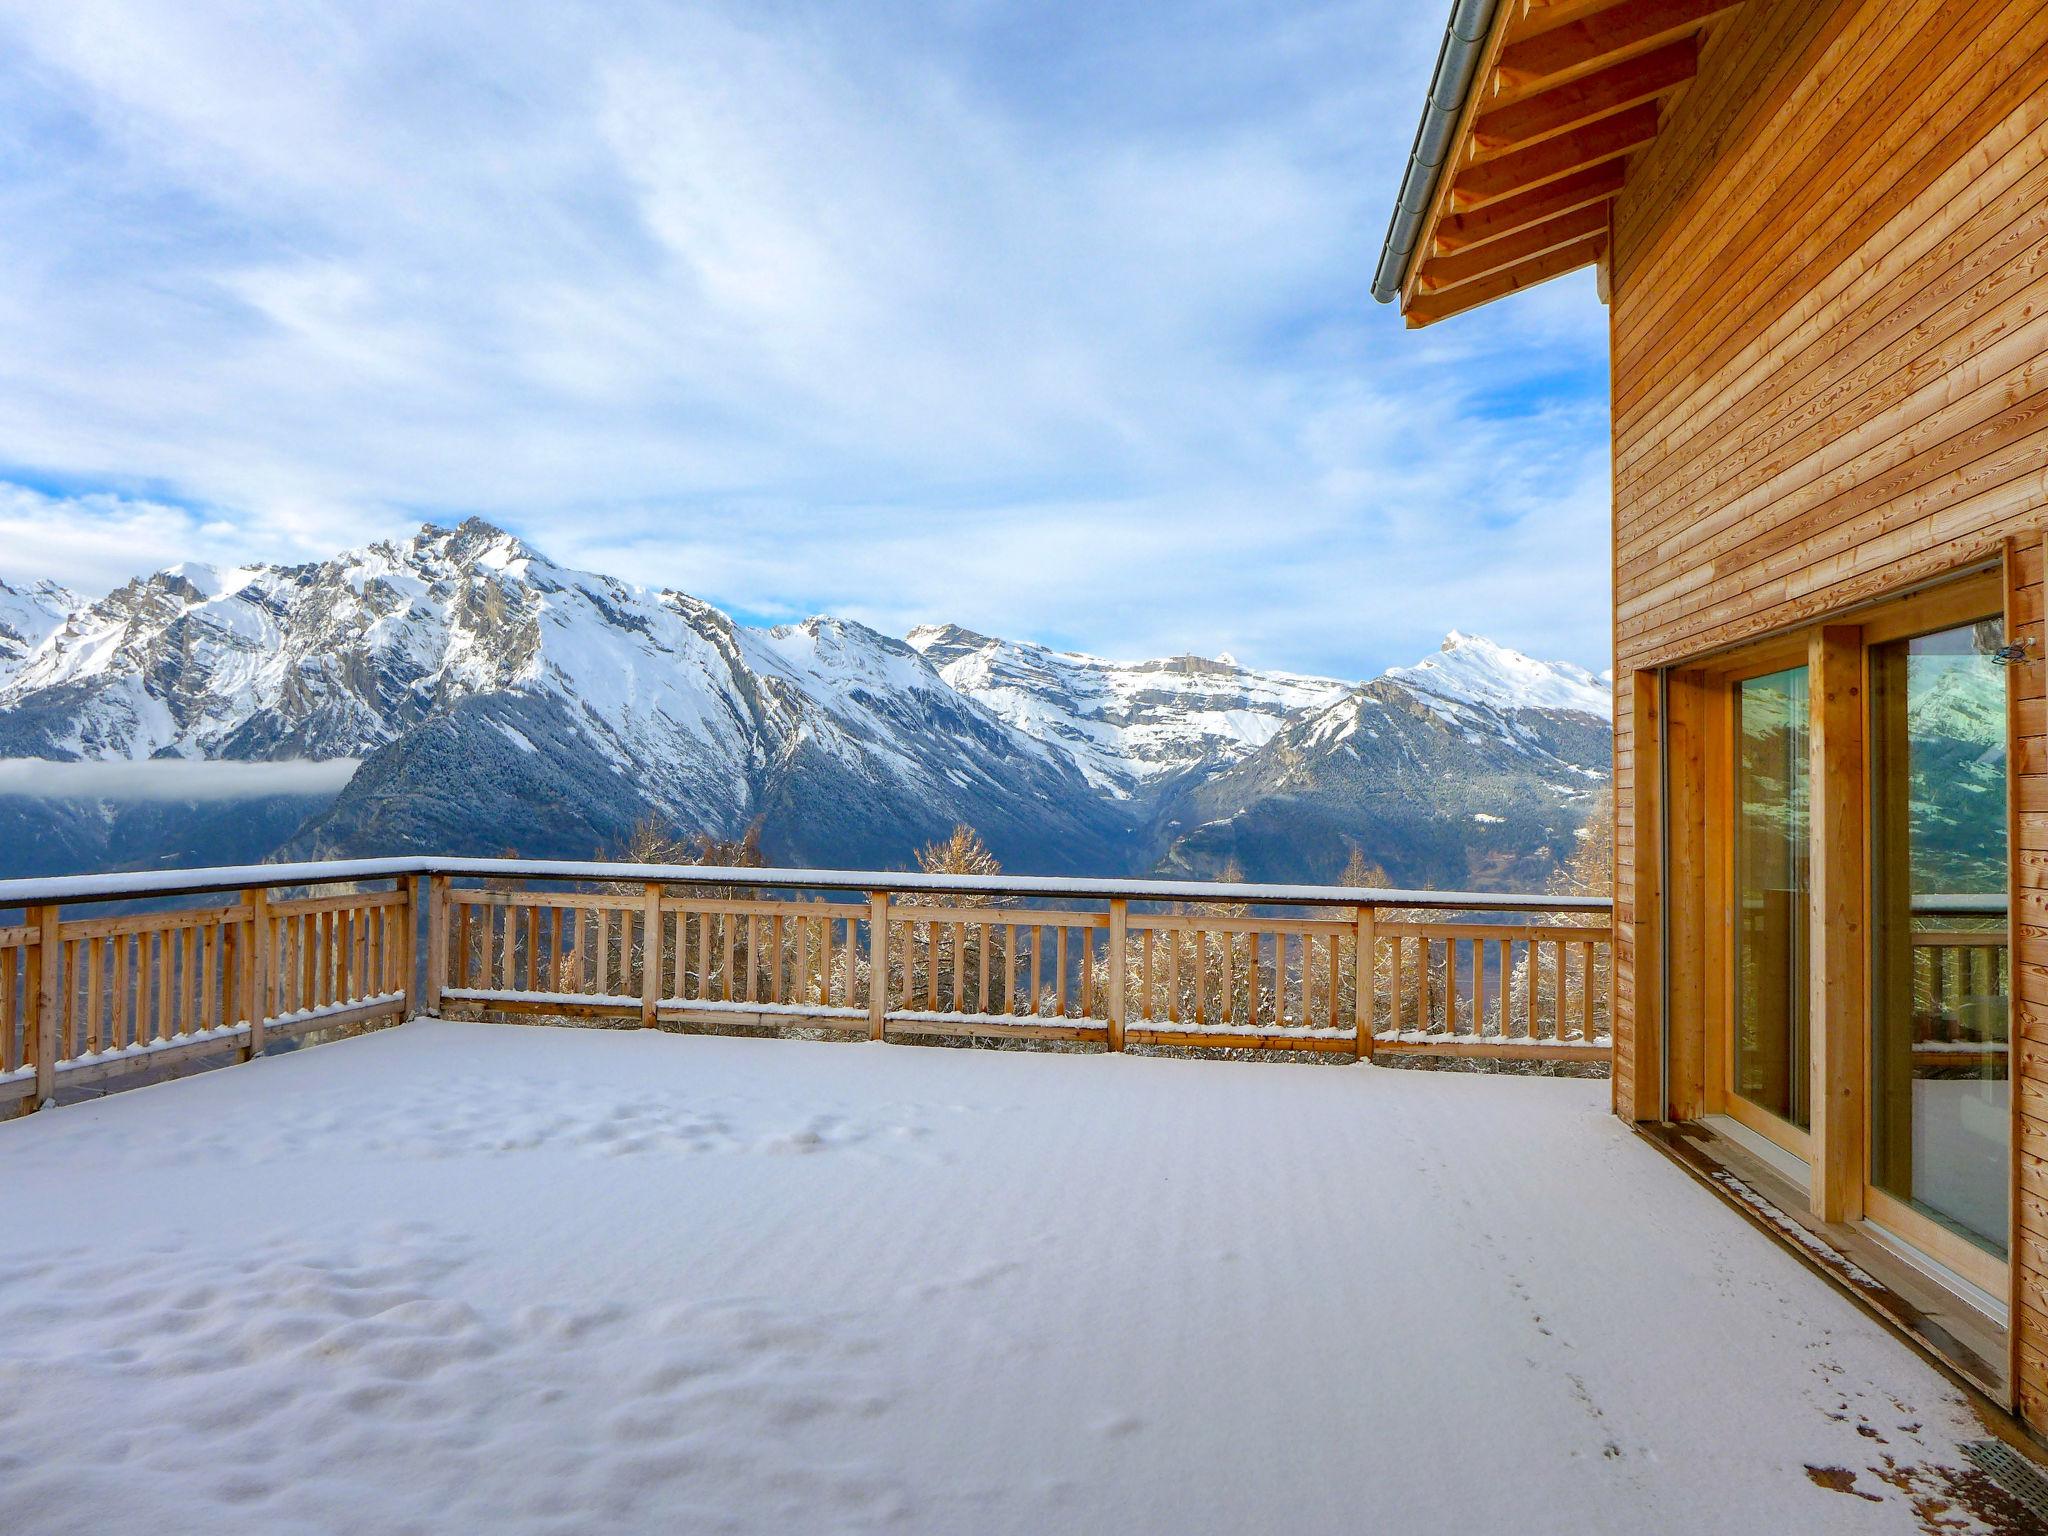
497	698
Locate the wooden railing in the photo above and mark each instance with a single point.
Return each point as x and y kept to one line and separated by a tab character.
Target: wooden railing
994	958
85	993
1962	986
92	996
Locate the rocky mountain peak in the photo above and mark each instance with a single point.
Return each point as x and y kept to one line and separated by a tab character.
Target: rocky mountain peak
496	698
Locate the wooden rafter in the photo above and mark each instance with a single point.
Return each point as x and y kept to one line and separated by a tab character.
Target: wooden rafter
1553	159
1498	255
1596	184
1586	99
1427	308
1564	95
1606	37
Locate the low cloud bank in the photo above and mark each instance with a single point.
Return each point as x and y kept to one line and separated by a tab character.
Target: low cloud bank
171	779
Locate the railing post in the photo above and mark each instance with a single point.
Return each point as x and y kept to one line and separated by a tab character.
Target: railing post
41	1034
437	943
878	965
257	969
1366	961
408	948
1119	919
650	954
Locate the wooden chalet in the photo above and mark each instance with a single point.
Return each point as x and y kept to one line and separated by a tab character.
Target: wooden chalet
1821	230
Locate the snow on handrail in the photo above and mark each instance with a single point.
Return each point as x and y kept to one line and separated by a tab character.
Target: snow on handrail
189	882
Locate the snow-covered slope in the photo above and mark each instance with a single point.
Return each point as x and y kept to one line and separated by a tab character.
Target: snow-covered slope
29	615
1126	724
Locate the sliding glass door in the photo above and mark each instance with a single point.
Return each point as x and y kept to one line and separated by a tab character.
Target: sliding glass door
1940	1096
1769	1053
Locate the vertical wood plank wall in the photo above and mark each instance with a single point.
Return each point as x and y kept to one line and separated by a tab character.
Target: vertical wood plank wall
1829	312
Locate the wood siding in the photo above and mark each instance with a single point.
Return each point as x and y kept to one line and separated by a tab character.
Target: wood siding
1829	289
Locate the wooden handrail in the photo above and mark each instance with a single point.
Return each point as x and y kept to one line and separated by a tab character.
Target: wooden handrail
87	993
75	889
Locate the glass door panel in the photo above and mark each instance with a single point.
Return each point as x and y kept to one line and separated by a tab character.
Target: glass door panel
1768	1064
1940	1132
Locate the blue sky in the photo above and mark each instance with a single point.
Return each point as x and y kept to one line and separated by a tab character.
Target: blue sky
1049	319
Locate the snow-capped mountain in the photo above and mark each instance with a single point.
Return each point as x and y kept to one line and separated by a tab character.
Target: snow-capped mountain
498	700
1438	790
1127	725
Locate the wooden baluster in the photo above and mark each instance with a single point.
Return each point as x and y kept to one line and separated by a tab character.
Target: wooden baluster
463	919
526	978
878	965
319	931
164	991
95	1040
1059	970
1177	980
1119	962
42	1025
1585	950
1086	934
11	1053
1396	1003
748	987
437	941
1145	974
257	961
1365	946
209	956
651	944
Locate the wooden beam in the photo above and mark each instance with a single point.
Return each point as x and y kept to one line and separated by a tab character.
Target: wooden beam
1498	220
1430	308
1835	969
1586	99
1365	964
878	965
1119	919
1553	159
1444	272
260	965
40	1028
1606	37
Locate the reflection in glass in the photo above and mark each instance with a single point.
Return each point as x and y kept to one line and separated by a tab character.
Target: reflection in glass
1940	1100
1770	1047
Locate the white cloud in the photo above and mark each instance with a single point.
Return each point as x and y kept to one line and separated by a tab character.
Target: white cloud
1049	320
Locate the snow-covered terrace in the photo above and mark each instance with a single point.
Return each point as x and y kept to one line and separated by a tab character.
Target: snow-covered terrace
475	1277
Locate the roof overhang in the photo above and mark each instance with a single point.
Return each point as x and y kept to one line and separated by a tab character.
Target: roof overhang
1536	112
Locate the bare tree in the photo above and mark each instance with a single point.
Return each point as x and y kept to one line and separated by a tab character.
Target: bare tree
942	955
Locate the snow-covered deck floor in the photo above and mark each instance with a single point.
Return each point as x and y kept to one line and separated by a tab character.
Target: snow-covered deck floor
477	1278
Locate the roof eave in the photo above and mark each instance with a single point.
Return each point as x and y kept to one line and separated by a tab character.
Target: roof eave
1457	65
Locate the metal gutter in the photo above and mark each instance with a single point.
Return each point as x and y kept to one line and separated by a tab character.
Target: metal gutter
1456	62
